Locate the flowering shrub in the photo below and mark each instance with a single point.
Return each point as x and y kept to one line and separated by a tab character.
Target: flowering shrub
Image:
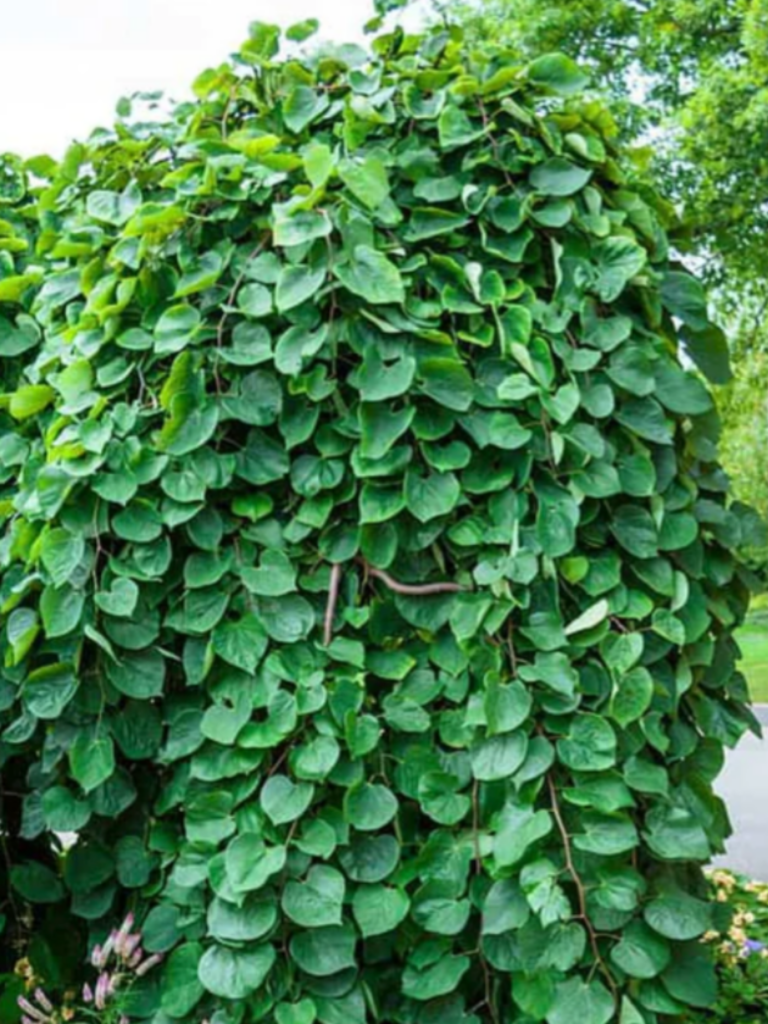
118	964
741	950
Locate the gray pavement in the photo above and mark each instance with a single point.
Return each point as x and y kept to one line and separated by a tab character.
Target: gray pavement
744	787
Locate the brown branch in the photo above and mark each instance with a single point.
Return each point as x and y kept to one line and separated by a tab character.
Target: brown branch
476	827
330	608
495	146
414	590
582	896
488	984
511	647
408	589
284	754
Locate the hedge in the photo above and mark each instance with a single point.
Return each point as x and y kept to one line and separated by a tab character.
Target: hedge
368	575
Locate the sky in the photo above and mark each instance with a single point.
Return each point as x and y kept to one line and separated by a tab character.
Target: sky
65	63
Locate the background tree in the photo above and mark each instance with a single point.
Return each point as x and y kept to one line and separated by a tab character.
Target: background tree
692	76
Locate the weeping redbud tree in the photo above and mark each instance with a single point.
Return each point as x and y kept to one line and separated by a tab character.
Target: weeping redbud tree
368	576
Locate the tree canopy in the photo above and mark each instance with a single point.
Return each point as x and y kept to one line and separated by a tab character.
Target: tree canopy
689	78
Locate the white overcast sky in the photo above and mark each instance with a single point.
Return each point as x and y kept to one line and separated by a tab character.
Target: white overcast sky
65	63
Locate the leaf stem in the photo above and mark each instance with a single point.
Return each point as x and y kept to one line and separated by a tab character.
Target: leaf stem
600	963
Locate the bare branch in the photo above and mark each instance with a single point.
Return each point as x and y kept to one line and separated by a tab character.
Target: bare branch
414	590
582	896
333	597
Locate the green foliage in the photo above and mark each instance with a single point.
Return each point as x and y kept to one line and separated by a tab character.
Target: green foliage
744	414
367	570
752	639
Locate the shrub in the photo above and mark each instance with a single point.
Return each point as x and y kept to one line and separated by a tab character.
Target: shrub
741	952
367	574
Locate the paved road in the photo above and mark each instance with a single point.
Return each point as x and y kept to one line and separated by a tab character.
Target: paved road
744	787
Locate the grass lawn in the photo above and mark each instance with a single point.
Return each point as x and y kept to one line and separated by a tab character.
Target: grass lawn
752	638
754	664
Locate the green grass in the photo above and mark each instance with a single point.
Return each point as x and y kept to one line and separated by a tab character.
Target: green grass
753	641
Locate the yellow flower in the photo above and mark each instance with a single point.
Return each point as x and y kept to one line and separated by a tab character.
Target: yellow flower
23	968
68	1013
711	936
724	880
743	917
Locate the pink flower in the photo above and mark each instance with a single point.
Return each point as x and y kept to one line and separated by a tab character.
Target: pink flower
32	1011
106	949
148	964
129	945
102	990
96	956
43	1000
87	993
136	959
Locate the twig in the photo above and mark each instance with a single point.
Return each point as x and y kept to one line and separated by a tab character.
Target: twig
495	146
582	896
279	762
330	608
414	590
476	827
284	753
511	647
408	589
488	990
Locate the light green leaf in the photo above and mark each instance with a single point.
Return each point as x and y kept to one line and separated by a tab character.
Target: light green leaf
379	909
371	275
203	273
317	901
370	807
577	1000
235	973
559	177
366	179
92	760
284	801
557	72
322	952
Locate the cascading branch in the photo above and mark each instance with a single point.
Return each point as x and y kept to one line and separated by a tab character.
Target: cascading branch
368	576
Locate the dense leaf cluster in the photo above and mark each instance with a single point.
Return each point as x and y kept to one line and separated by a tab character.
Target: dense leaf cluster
367	576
